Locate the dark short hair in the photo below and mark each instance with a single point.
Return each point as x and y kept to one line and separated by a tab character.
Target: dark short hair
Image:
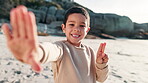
76	9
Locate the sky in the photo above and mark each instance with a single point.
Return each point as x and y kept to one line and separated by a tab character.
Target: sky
136	10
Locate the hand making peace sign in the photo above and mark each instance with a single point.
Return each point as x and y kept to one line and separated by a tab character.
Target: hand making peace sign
101	56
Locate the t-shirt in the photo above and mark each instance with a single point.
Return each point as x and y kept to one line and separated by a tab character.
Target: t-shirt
73	64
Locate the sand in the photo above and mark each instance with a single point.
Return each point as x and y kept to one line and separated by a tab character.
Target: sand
127	62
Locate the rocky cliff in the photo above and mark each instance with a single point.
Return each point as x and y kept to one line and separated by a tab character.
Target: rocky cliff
49	17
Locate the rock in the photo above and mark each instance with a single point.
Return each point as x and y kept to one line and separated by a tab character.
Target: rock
40	15
42	34
46	68
60	15
50	18
28	76
68	5
111	24
42	29
140	34
3	81
54	28
106	36
16	81
6	71
46	77
4	21
52	10
5	7
140	31
55	24
143	26
17	72
36	74
43	8
92	37
9	63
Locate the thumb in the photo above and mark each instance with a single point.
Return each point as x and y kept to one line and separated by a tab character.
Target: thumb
7	31
36	66
100	58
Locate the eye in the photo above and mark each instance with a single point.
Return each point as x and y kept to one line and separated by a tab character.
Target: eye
82	25
71	24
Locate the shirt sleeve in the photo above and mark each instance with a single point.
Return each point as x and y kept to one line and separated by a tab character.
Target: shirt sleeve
51	52
101	72
100	69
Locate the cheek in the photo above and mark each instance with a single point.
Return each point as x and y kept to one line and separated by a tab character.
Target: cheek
85	30
67	31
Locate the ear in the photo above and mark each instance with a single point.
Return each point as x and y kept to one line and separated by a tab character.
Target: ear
88	29
63	27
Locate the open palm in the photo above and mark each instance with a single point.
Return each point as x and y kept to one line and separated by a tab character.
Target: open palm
22	40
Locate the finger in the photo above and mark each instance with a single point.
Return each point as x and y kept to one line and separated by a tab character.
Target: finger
103	47
101	56
13	22
34	64
21	21
99	59
7	31
30	25
34	29
105	58
99	50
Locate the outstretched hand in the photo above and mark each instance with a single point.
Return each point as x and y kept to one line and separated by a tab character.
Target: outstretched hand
101	56
22	40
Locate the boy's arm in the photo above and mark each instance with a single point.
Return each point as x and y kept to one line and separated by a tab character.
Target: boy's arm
101	64
50	52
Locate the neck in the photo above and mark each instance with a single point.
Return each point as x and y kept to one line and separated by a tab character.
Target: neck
75	44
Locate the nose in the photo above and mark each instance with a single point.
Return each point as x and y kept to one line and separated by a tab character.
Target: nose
76	29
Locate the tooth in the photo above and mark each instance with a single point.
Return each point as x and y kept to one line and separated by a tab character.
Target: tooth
76	35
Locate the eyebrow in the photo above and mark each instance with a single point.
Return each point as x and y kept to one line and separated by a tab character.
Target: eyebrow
74	21
71	21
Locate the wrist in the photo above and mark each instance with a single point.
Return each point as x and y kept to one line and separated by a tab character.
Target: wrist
101	65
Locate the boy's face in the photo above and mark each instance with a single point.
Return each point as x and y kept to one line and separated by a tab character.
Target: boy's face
76	28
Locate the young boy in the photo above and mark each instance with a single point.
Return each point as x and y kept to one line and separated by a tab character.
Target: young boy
72	61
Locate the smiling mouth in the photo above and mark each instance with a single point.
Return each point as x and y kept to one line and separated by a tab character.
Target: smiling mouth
75	36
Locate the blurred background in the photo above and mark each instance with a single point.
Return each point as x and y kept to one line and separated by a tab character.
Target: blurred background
122	24
110	19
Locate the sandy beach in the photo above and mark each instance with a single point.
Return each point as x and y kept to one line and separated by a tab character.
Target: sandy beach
127	62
